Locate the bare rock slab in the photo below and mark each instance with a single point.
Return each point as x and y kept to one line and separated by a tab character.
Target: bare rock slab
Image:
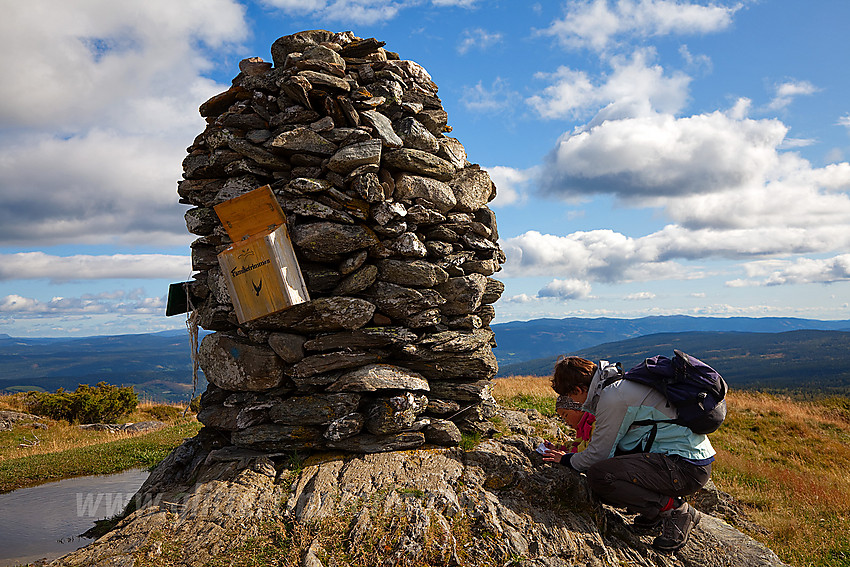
236	364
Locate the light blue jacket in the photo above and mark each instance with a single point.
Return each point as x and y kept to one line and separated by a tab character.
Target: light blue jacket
617	407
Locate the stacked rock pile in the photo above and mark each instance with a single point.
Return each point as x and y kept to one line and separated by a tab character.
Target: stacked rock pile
394	238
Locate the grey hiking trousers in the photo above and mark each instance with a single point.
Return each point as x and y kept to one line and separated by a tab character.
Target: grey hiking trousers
644	482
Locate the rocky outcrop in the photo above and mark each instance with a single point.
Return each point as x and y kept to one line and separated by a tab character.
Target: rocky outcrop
9	419
390	225
492	503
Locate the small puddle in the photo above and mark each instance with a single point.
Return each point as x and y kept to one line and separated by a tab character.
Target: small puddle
46	521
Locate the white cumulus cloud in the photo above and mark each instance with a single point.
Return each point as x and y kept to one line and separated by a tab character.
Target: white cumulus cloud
98	103
786	92
798	271
566	289
478	39
38	265
596	24
635	87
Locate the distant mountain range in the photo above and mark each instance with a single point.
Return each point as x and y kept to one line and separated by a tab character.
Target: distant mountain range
157	365
763	352
521	341
806	362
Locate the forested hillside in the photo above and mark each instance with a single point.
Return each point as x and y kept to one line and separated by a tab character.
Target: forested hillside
803	361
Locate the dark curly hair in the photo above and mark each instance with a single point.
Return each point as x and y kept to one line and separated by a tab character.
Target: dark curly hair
572	373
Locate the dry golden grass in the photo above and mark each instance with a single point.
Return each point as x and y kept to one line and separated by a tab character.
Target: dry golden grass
61	436
539	386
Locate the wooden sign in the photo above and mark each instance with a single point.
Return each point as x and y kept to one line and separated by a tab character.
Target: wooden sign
260	267
255	212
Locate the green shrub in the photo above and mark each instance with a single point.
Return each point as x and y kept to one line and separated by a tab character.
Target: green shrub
103	403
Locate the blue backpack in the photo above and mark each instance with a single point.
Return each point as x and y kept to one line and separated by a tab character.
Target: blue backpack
695	389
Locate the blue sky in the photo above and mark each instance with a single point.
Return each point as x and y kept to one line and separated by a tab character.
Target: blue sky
652	157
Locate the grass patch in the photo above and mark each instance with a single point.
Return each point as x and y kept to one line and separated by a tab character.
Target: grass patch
469	441
526	392
66	451
789	462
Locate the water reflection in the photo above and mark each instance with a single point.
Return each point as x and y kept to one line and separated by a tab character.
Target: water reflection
45	521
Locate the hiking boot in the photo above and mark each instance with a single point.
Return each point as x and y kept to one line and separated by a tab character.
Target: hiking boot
676	527
646	524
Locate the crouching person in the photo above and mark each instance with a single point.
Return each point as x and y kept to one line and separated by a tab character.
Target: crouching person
632	461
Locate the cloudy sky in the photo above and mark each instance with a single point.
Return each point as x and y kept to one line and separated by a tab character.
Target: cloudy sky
652	157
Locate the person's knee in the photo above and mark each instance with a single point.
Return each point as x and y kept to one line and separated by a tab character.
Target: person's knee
600	479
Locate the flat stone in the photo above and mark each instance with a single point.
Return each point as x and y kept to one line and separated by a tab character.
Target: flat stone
438	366
361	47
367	337
258	154
294	114
288	346
417	273
390	91
324	314
327	362
383	127
350	157
419	162
332	238
369	187
254	66
424	216
235	364
325	80
436	120
442	407
385	212
317	409
395	414
254	414
425	318
416	136
400	301
307	185
298	88
463	391
274	437
302	140
345	427
452	151
412	187
353	262
322	53
311	208
221	102
472	188
493	290
442	432
457	341
357	281
297	43
201	220
380	443
415	71
376	377
408	245
465	322
463	294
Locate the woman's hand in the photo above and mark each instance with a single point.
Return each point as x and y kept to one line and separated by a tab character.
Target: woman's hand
553	455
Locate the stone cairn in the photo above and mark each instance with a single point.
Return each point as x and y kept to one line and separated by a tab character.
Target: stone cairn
393	235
